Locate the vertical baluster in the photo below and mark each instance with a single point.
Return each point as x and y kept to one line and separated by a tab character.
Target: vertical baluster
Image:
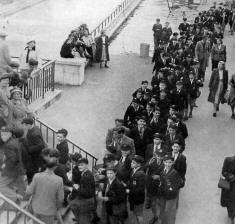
8	217
53	139
53	76
43	82
47	134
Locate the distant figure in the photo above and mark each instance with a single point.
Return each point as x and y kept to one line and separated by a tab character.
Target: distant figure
157	32
102	51
89	47
67	47
6	63
30	53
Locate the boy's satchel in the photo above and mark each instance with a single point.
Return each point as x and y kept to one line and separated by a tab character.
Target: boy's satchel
223	184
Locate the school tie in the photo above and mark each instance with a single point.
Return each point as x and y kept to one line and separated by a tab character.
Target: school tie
107	189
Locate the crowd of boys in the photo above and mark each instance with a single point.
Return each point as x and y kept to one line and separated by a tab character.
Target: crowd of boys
144	164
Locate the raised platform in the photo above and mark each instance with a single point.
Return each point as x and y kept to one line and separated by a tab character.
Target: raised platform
70	71
42	104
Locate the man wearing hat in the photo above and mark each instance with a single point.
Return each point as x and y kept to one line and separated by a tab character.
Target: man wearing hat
5	59
136	188
155	147
171	182
154	168
83	204
34	144
11	165
142	136
132	111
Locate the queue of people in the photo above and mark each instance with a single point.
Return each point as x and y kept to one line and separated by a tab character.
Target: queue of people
144	166
80	43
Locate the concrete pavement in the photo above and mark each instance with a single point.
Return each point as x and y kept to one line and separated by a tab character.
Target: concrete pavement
88	111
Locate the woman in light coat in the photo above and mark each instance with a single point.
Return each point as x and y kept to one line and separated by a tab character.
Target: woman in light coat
218	86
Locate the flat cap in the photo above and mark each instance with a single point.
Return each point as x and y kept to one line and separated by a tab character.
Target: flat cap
138	159
28	120
83	160
158	136
168	157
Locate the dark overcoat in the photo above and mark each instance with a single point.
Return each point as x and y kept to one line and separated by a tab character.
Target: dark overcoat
214	83
137	188
228	196
99	47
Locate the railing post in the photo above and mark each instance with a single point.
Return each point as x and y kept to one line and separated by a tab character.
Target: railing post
53	76
43	82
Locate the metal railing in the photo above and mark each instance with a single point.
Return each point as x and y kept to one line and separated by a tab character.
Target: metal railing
110	18
11	213
49	135
41	81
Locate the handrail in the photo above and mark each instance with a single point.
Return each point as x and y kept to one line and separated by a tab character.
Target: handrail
74	147
14	205
110	18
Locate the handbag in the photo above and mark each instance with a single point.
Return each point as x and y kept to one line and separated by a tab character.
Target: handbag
223	184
